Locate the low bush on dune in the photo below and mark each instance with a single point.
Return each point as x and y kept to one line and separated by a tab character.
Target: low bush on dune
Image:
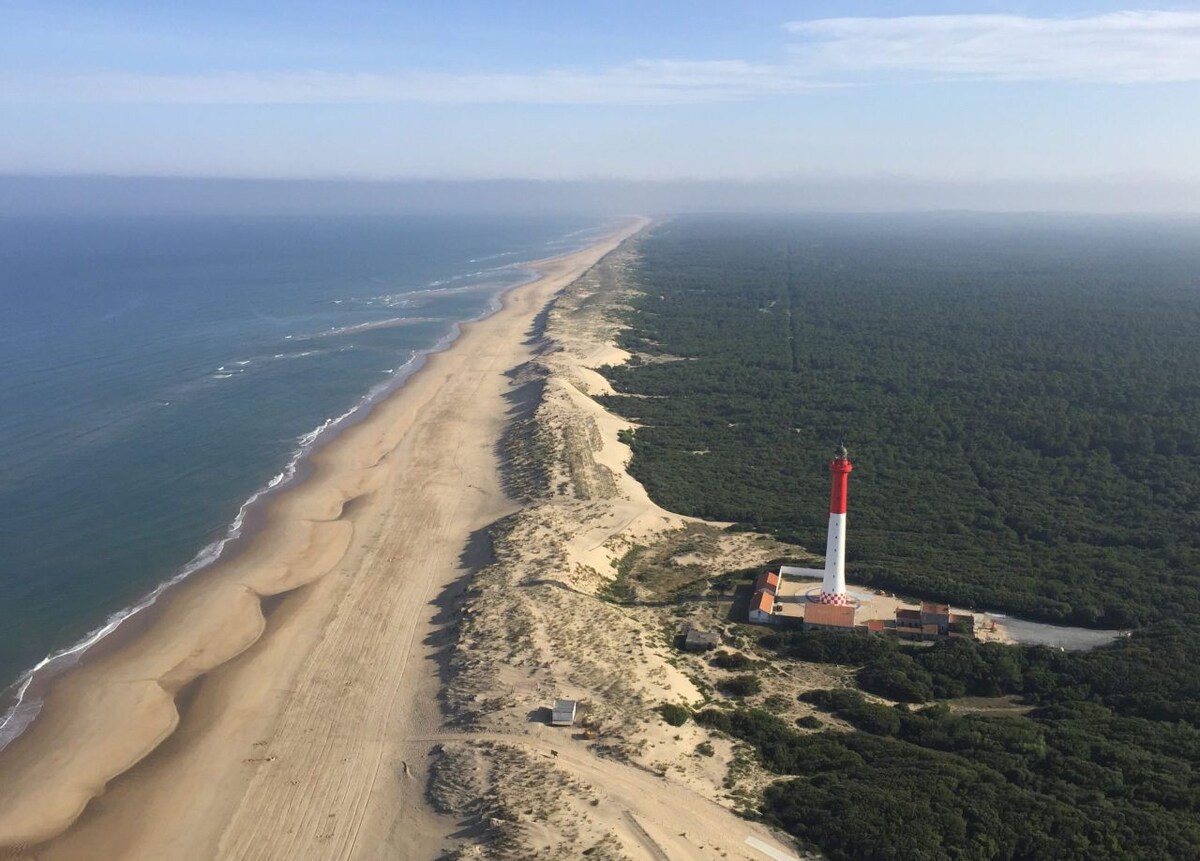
731	661
740	686
674	714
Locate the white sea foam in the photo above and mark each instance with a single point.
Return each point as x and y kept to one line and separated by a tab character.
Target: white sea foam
389	323
224	372
409	298
492	257
439	287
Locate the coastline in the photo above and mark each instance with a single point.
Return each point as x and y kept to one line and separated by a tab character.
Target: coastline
103	717
21	700
22	687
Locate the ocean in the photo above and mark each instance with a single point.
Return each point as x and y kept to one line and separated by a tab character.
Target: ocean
158	376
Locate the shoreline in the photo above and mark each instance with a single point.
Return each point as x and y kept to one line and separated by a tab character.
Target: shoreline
309	531
21	700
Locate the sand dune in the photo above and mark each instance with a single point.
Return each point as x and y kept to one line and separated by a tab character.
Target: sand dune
540	623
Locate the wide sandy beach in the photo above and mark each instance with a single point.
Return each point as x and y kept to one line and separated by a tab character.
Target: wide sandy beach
282	704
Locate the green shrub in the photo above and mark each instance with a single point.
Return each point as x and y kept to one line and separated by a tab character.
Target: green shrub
741	686
731	660
851	706
777	703
715	719
674	714
897	677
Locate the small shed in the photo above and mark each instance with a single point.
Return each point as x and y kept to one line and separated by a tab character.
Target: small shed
563	713
695	640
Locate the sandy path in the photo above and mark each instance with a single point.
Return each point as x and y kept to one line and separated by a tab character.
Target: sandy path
291	743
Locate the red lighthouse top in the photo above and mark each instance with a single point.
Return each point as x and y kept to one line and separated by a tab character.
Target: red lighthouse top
840	466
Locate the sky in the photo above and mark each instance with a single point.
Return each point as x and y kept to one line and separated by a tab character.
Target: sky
979	93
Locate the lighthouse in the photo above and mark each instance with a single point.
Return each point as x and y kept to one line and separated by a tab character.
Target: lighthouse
833	586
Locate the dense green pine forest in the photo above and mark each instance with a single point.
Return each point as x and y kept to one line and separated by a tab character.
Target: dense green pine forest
1021	400
1022	405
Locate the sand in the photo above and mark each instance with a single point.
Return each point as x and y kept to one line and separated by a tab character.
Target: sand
227	731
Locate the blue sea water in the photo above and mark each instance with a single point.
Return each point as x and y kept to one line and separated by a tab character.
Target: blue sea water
156	374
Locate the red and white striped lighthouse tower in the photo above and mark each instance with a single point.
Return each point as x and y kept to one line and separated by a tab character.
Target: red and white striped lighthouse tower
833	587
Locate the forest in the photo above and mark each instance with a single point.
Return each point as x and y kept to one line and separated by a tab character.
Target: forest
1021	401
1078	783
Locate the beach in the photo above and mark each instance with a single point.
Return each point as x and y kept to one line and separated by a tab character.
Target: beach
281	704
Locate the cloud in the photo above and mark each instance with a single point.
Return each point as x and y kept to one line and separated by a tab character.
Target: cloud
648	82
1121	47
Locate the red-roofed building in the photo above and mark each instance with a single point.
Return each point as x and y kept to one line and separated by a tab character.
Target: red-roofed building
762	607
768	581
839	616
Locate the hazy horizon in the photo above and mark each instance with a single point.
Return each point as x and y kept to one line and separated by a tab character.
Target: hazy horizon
882	106
149	195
